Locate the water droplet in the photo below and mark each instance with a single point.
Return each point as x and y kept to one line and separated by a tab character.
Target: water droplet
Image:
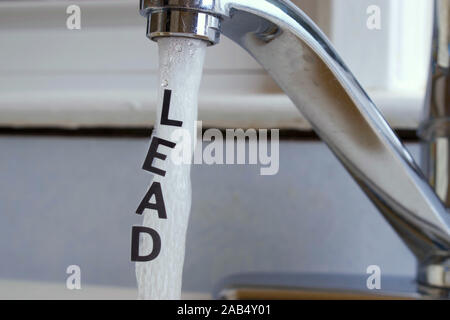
191	52
190	43
178	48
164	83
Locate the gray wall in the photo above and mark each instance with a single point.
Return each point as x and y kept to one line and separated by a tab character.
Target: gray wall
71	200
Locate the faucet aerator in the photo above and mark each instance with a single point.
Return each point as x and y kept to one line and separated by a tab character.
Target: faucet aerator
193	24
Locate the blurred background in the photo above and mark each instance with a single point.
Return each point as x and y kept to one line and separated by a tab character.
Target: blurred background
76	112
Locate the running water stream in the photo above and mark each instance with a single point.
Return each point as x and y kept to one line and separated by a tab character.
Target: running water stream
180	65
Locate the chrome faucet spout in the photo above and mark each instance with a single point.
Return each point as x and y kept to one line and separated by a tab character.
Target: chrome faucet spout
300	58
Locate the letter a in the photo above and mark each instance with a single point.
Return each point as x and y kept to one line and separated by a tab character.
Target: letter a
159	206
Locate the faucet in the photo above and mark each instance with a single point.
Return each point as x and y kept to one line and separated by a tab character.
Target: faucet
435	127
300	58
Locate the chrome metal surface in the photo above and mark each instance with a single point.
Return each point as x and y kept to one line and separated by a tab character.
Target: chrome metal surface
304	64
436	271
181	23
256	286
435	132
147	6
435	129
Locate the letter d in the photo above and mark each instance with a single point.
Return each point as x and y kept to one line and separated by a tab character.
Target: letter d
135	234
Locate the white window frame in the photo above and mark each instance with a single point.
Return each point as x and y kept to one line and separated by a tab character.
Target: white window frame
105	74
